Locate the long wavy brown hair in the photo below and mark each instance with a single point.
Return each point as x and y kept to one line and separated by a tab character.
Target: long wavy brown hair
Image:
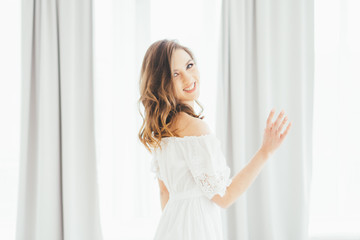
157	94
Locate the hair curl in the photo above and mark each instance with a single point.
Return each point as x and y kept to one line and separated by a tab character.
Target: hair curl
157	94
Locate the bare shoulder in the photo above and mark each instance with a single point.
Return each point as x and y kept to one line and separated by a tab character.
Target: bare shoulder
192	126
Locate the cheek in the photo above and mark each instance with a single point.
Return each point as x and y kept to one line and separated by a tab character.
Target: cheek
178	89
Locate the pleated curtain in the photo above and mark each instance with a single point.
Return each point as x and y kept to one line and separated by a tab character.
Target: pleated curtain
267	61
58	196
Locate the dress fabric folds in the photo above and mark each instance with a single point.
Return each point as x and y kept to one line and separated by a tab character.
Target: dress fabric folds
194	170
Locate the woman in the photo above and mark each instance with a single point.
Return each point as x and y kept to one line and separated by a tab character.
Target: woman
193	176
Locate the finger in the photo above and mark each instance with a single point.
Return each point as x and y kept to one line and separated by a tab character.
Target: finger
286	131
283	123
277	123
268	123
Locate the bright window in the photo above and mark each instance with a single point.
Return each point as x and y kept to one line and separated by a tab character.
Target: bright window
335	207
10	97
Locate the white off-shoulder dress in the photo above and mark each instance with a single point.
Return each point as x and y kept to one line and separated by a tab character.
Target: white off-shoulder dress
194	169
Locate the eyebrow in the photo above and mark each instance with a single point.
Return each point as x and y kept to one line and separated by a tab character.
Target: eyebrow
186	63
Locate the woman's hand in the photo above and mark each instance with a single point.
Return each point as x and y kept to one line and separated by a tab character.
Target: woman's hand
272	133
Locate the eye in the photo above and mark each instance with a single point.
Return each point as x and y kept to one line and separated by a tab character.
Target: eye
187	65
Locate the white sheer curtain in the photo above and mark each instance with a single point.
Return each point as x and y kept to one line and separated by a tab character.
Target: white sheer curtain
129	194
124	186
335	194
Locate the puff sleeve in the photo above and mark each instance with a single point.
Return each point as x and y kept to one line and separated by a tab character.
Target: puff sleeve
154	166
207	164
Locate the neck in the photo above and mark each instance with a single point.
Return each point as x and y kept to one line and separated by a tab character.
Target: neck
191	103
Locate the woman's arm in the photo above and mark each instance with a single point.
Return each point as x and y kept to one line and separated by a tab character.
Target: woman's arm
164	194
271	141
242	180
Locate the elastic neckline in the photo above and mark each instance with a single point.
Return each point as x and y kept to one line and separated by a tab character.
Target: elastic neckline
190	137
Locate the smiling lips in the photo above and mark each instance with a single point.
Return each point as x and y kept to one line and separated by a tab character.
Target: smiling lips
191	88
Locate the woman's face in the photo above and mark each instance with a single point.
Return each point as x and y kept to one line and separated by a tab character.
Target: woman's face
185	76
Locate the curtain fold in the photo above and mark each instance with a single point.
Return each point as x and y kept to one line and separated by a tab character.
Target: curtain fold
266	60
58	192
